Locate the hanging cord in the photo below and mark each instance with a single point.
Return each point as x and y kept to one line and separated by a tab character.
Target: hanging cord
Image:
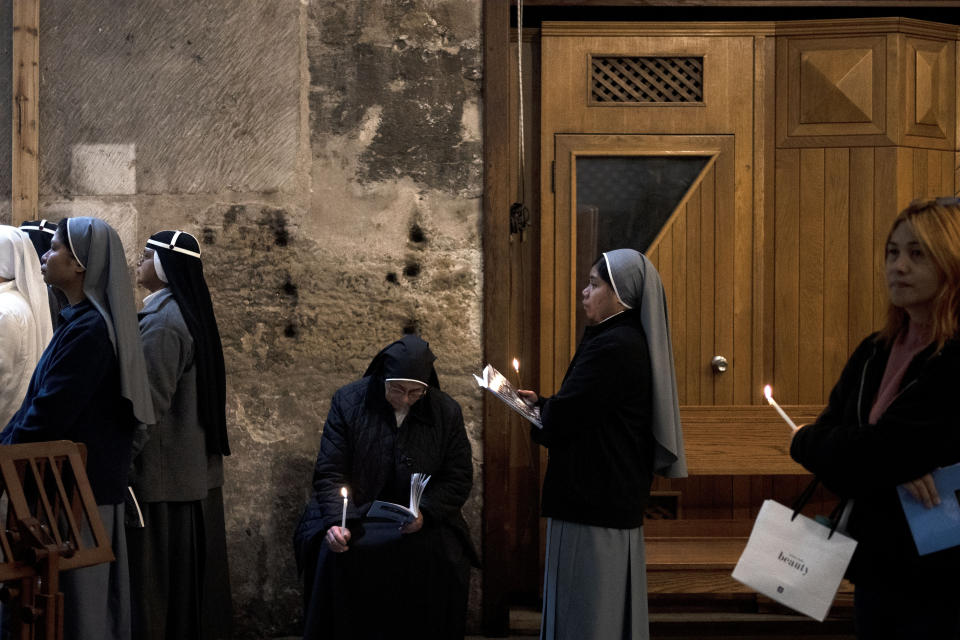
521	164
519	214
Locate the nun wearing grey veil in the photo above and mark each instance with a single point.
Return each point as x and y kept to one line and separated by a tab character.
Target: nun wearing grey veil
614	422
90	386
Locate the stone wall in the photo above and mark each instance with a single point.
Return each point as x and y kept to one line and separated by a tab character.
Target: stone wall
328	155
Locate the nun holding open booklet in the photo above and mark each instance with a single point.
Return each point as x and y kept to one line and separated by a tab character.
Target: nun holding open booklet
614	423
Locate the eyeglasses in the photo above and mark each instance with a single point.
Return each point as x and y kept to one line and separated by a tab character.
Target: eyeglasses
411	394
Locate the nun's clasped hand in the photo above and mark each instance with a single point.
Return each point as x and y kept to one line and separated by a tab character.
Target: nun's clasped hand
338	538
414	526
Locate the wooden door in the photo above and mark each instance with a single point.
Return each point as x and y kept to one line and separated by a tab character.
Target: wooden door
635	91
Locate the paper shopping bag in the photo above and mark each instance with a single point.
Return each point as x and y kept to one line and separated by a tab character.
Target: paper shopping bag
796	562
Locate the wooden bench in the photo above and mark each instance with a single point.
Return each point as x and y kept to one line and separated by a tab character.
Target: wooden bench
697	556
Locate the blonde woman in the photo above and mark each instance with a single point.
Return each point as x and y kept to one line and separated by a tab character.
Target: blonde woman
892	420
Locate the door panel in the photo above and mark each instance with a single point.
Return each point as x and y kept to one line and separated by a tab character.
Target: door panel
694	251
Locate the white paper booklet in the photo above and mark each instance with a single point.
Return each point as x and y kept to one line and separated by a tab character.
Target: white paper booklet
398	512
497	384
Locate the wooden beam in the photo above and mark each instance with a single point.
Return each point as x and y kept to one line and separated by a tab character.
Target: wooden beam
25	170
496	272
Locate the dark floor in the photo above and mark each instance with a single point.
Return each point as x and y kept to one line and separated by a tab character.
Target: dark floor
691	622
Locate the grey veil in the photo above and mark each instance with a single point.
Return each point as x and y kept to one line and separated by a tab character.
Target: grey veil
107	286
637	285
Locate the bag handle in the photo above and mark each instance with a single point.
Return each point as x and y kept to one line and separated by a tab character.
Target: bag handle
836	515
804	498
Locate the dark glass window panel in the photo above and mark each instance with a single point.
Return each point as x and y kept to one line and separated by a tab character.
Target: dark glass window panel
624	201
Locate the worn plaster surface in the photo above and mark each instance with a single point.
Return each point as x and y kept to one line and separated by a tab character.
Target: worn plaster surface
328	156
212	84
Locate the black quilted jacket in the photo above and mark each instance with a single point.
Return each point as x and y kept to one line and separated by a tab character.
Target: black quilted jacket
361	448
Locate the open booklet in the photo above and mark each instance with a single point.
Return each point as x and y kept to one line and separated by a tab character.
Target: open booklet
398	512
495	382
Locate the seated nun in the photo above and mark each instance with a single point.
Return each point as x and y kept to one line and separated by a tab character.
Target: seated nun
374	579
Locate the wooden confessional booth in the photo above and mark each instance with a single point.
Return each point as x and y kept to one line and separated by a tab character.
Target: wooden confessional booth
759	166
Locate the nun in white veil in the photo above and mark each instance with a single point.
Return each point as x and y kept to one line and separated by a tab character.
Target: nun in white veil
613	423
25	327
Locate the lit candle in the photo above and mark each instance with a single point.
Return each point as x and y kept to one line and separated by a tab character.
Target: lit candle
768	392
516	367
343	523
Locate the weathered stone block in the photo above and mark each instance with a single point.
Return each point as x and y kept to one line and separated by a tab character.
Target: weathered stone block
207	91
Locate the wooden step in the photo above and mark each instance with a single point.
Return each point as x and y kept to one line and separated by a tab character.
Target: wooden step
694	625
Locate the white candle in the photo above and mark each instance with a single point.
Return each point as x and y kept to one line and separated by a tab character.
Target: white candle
516	367
343	523
768	392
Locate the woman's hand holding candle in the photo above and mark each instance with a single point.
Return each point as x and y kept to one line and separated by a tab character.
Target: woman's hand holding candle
768	393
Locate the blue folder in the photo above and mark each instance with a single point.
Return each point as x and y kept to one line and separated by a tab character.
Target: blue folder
936	528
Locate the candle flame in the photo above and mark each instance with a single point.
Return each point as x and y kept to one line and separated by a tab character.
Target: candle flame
768	393
343	492
516	365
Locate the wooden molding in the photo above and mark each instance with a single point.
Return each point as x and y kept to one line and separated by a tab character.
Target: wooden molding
832	86
928	91
866	83
866	26
740	440
740	4
629	29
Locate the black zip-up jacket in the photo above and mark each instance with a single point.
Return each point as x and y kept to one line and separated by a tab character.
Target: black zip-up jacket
919	432
597	429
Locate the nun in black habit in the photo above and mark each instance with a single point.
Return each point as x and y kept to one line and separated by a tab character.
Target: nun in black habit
178	559
90	386
613	423
378	580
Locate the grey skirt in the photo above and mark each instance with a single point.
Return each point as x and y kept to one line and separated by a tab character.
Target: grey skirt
96	600
595	583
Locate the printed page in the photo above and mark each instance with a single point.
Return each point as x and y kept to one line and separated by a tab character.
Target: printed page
497	384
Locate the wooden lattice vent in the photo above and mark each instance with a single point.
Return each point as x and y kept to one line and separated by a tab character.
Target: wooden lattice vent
646	79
